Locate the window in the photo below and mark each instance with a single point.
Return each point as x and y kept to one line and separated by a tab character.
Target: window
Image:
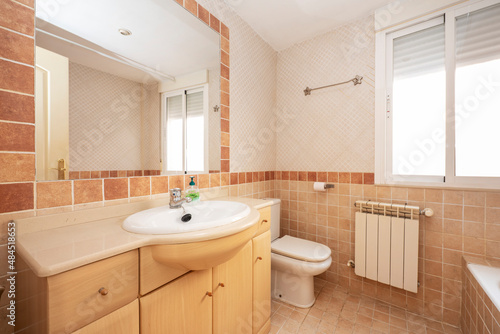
184	131
438	99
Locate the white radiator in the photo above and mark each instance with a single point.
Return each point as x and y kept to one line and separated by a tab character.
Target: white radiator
386	244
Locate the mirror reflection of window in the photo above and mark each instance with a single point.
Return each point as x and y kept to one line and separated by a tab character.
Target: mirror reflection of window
174	133
185	126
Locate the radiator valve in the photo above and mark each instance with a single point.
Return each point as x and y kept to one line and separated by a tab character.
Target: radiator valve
351	264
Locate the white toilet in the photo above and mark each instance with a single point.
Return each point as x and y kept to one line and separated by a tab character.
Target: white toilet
294	263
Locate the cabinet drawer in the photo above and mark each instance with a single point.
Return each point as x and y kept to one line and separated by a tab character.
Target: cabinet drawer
125	320
83	295
264	220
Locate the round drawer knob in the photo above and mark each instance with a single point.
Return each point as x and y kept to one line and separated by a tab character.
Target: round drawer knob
103	291
209	294
259	258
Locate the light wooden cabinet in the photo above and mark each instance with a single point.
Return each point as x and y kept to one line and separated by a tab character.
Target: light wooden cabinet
261	283
232	294
125	320
80	296
182	306
131	293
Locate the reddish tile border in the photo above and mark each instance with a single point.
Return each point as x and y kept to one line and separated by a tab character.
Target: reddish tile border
104	174
326	176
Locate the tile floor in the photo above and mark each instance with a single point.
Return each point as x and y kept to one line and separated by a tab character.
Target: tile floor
336	311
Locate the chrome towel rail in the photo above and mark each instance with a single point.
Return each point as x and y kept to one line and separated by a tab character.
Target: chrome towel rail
356	80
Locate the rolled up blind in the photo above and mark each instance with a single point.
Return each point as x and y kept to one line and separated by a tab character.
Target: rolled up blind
478	36
419	53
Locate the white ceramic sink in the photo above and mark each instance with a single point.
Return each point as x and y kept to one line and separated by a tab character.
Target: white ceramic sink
205	215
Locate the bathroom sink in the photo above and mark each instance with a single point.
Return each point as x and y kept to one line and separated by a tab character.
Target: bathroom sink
215	233
205	215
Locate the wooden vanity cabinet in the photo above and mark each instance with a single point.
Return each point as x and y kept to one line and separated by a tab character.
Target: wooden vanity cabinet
182	306
261	298
125	320
232	293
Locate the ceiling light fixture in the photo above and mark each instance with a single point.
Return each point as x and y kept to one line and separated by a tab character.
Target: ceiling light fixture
125	32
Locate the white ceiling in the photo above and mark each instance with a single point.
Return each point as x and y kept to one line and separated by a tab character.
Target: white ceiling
165	37
283	23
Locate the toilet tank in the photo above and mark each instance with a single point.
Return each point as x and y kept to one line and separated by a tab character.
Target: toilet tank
275	217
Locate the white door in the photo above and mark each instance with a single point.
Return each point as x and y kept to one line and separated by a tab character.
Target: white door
52	115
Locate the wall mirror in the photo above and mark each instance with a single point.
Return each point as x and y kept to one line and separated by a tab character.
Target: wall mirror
125	88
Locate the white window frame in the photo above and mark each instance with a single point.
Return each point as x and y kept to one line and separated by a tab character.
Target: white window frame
183	93
383	102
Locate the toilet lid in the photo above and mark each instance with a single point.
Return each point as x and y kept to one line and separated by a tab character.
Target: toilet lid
300	249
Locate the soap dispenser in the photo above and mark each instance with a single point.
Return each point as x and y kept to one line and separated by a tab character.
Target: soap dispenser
192	191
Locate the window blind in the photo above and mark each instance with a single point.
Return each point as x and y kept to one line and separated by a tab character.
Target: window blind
478	36
419	53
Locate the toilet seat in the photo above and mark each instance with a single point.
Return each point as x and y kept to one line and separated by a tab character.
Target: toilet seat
300	249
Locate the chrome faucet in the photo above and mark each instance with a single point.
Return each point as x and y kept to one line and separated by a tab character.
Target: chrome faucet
176	199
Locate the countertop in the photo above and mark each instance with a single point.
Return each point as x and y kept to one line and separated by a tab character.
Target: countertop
55	250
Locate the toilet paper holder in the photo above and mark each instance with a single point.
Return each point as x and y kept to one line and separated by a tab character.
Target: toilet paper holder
329	186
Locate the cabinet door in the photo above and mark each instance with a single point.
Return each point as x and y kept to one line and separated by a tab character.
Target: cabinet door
261	280
182	306
125	320
232	290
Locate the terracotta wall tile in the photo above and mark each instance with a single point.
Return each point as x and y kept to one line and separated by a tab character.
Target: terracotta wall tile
224	110
203	181
85	174
192	6
17	47
333	177
17	107
224	166
16	77
159	185
176	181
368	178
357	178
294	176
234	178
224	139
52	194
224	85
241	178
224	72
16	197
115	188
224	30
140	186
180	2
344	177
17	17
224	152
214	23
322	177
224	58
215	180
224	179
29	3
224	125
87	191
302	176
203	14
17	167
224	44
311	176
17	137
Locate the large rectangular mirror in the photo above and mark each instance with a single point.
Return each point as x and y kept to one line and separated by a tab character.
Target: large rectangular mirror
125	88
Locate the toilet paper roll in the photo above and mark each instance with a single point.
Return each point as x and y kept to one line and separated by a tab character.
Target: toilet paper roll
319	186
